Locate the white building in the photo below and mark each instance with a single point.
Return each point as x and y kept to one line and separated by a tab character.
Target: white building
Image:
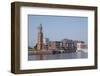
81	46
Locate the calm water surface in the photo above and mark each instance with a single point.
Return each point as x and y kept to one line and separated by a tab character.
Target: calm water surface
75	55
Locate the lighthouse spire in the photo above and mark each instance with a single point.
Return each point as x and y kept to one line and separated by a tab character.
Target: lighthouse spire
40	38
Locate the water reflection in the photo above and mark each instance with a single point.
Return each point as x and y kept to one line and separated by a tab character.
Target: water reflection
74	55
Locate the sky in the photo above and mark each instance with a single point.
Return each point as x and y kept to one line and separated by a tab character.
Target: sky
57	28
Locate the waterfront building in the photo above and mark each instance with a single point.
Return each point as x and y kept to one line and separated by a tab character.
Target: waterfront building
46	42
81	46
54	45
66	45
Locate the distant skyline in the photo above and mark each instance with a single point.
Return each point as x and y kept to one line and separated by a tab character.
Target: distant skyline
57	28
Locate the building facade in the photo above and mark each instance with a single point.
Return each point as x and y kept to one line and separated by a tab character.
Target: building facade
81	45
54	45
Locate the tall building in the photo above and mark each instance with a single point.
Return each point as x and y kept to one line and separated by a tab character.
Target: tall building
46	42
40	38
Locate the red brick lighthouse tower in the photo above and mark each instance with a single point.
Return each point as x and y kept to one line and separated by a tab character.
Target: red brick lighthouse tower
40	38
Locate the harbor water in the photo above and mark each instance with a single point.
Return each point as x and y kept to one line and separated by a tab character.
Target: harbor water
73	55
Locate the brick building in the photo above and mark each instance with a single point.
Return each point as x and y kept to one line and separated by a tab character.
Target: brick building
54	45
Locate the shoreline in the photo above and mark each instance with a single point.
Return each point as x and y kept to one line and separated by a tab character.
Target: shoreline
46	52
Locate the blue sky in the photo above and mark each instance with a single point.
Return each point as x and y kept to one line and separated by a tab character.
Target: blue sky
57	28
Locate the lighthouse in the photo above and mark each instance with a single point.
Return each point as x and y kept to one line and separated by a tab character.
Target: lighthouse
40	38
